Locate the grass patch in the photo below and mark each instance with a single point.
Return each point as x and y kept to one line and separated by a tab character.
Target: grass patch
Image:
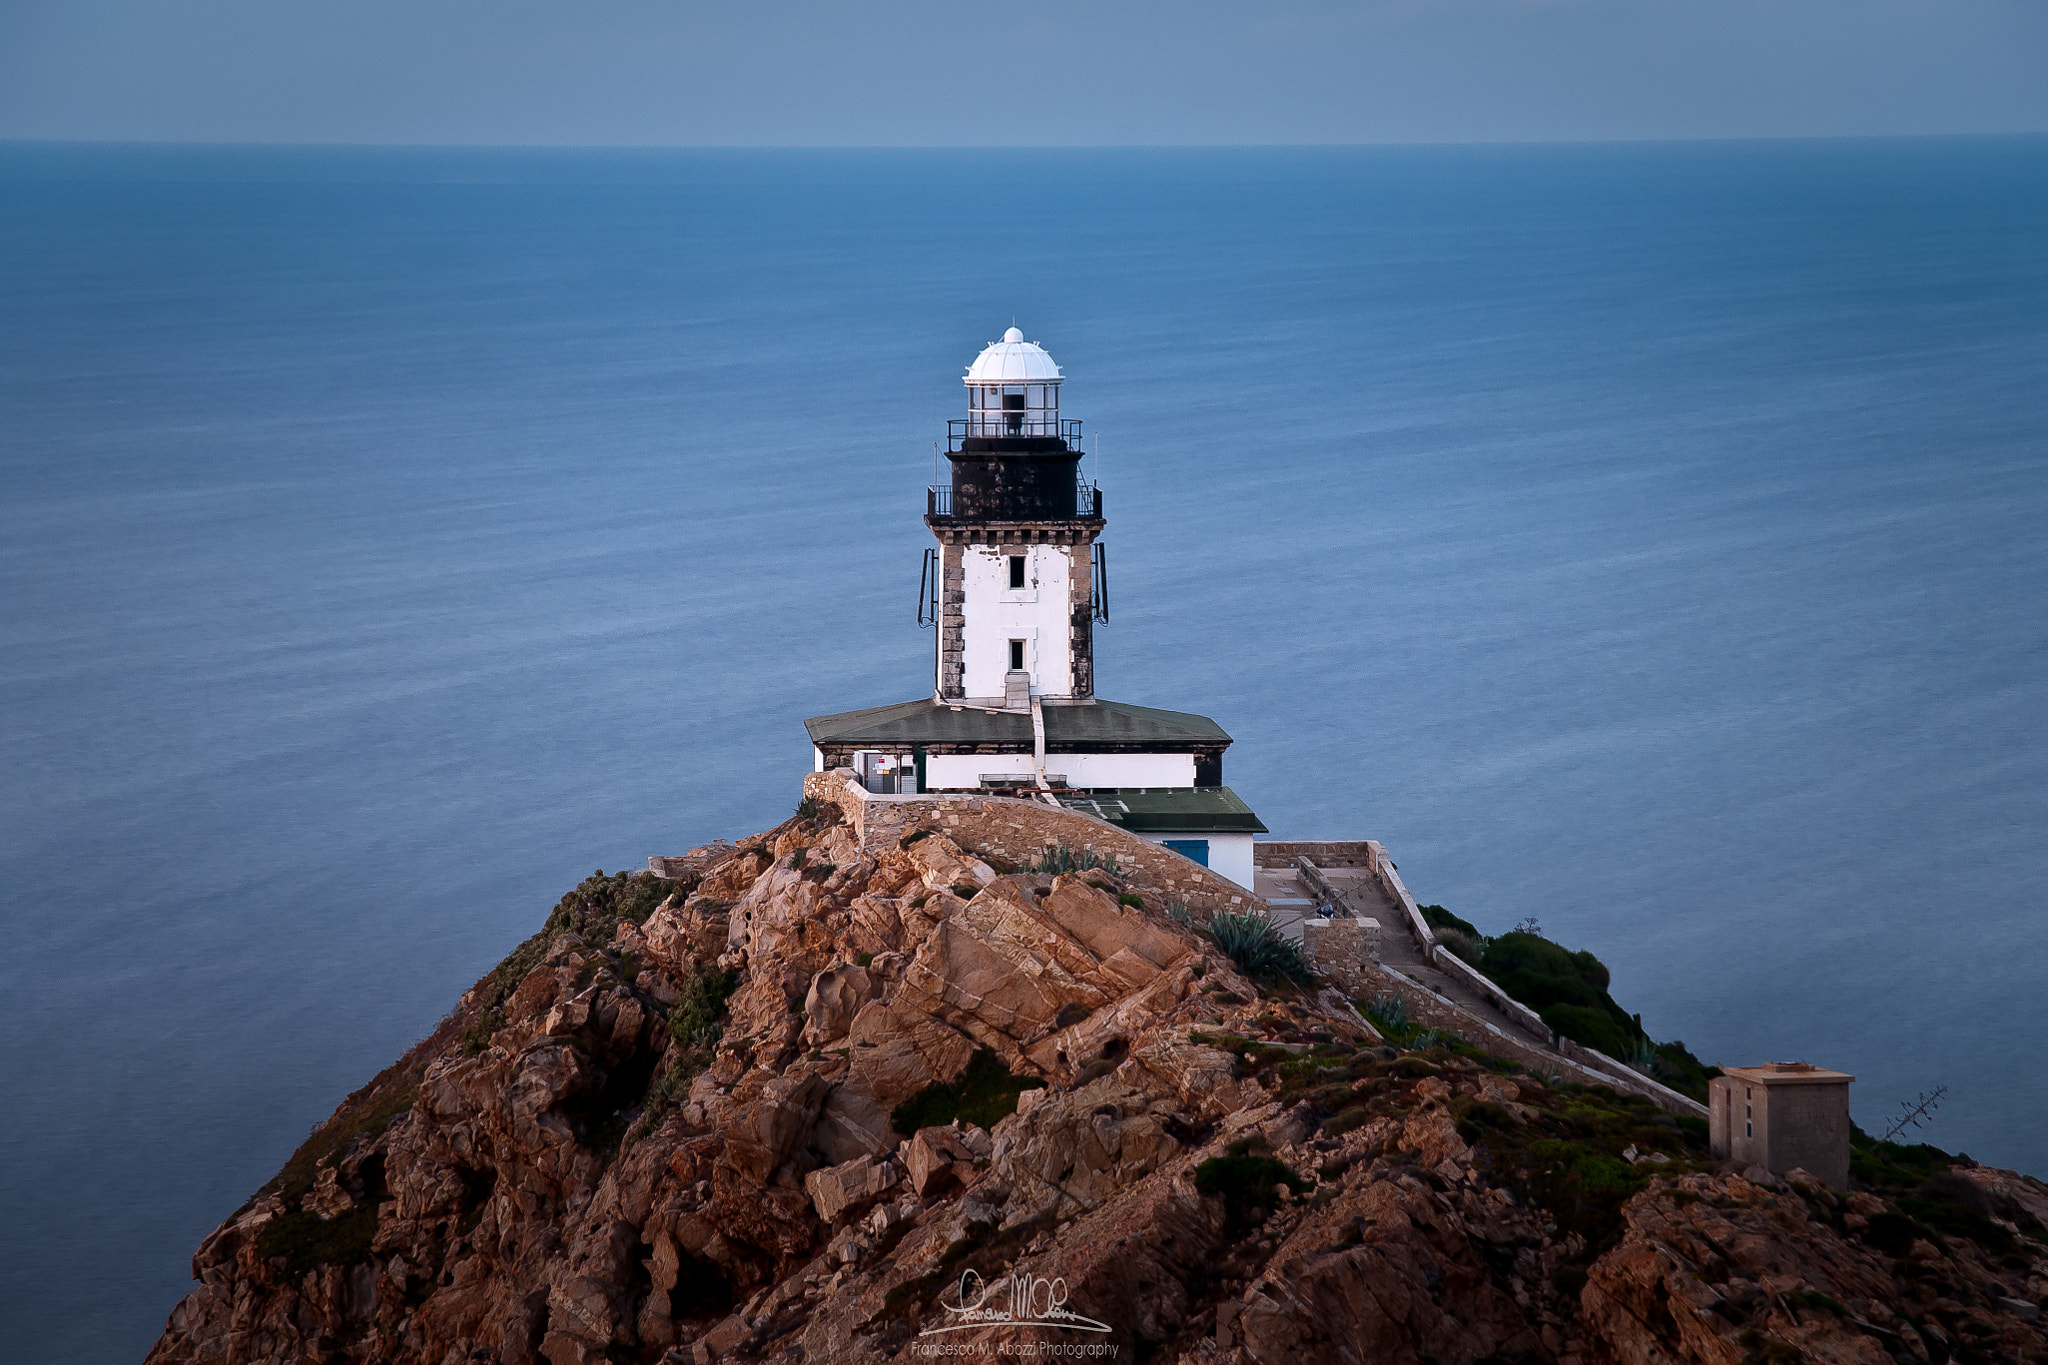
1568	1159
594	910
984	1095
1893	1167
817	815
304	1241
367	1113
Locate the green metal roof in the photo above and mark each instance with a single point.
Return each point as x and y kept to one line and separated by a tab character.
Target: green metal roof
1169	810
1106	722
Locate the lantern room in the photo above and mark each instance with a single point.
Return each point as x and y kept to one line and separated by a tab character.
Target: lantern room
1013	390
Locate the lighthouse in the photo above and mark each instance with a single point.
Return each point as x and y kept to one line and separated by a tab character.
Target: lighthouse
1017	569
1013	589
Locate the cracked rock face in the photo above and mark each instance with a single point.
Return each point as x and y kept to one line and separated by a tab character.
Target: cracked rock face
665	1130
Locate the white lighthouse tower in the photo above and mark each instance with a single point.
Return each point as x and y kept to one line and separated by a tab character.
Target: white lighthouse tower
1019	584
1014	589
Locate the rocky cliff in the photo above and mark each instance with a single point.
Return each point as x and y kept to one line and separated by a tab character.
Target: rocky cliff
800	1103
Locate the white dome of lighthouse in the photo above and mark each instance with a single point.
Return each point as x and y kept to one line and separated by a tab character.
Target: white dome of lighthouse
1013	360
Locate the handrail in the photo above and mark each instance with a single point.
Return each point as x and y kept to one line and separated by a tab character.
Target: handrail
939	501
998	426
1443	959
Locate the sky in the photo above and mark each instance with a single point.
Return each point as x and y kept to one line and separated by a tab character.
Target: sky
1046	73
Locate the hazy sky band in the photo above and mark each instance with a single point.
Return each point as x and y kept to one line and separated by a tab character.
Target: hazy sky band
909	72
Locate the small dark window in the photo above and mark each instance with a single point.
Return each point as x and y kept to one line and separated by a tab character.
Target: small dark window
1016	571
1016	649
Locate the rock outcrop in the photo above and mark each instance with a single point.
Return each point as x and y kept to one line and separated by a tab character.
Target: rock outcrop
793	1102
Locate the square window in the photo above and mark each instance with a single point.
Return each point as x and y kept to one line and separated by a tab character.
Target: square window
1016	571
1016	654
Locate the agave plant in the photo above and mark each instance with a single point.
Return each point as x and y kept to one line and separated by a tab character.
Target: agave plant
1645	1055
1390	1009
1063	857
1259	948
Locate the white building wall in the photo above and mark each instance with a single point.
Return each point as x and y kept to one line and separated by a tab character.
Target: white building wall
1230	855
1080	770
1124	770
954	772
993	614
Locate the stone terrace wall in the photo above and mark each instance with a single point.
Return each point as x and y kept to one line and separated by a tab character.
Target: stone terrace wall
1019	832
1323	853
1346	954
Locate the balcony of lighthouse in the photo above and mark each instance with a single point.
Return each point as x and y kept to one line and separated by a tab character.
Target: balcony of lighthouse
944	502
1026	431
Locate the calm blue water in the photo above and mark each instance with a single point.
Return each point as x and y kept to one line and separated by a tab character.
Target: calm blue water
1645	539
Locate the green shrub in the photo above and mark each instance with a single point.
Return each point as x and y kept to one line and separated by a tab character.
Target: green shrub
1573	978
1259	948
1440	919
693	1020
1344	1120
984	1094
1590	1027
1568	989
1461	944
1896	1166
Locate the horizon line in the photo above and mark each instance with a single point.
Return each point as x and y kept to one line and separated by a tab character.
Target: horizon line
341	145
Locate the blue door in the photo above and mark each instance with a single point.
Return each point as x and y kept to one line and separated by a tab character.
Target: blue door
1195	849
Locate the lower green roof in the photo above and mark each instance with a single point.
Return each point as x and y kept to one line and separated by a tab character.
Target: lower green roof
1102	723
1168	810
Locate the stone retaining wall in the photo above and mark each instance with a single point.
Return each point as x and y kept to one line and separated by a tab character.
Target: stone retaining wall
1019	832
1345	952
1326	852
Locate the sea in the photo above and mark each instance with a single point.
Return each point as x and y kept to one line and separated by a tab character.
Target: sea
1649	540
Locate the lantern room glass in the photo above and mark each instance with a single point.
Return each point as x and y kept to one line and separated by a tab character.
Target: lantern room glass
1013	409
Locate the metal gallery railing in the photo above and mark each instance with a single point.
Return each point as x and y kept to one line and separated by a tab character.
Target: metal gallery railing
995	425
940	501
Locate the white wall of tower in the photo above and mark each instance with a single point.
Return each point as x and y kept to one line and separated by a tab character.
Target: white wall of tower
1040	614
